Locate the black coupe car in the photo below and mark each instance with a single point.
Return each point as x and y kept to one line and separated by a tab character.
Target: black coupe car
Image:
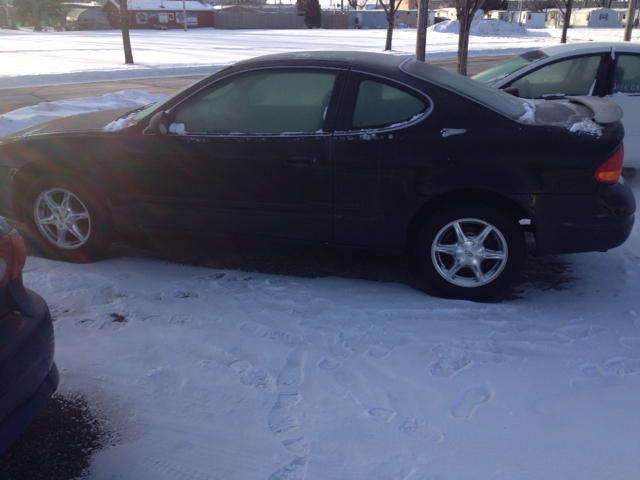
347	148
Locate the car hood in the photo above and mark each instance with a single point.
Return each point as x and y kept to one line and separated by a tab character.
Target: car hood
83	122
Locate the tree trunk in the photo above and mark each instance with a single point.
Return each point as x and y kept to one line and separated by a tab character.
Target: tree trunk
35	16
423	24
566	22
630	19
124	25
464	25
387	45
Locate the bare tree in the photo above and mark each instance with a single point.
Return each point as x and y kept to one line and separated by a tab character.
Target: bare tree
124	25
466	10
357	4
565	8
390	12
539	5
631	14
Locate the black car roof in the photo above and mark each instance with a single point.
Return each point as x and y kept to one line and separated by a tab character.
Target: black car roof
365	61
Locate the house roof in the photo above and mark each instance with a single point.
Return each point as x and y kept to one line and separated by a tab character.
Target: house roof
157	5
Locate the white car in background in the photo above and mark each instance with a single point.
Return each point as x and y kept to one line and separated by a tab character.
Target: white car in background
604	69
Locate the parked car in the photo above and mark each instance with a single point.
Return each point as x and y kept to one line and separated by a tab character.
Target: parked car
601	69
28	374
355	149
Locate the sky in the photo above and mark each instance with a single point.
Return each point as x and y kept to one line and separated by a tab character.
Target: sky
216	374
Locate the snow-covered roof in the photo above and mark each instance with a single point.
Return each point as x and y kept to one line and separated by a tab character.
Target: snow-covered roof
163	5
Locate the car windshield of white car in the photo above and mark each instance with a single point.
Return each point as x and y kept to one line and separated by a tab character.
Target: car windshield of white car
496	100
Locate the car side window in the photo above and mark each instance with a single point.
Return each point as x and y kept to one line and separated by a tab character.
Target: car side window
266	101
574	76
381	105
627	74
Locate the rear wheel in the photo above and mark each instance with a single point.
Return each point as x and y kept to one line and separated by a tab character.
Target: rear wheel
470	251
70	221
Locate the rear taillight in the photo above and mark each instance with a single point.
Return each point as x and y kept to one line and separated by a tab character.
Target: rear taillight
19	257
611	169
12	256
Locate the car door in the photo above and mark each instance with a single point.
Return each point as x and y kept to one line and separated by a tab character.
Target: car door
625	91
376	148
249	154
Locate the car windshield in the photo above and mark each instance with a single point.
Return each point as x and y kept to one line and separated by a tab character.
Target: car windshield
501	102
503	69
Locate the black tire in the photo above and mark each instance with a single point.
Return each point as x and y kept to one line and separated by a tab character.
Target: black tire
470	251
70	222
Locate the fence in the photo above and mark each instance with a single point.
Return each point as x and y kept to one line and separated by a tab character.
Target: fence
275	21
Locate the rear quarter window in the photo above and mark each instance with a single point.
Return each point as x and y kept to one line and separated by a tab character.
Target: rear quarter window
501	102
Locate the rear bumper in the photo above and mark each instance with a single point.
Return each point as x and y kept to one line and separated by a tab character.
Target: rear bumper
584	223
28	375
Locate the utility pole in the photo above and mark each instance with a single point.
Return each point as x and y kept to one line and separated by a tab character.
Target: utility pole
423	24
184	13
631	13
124	26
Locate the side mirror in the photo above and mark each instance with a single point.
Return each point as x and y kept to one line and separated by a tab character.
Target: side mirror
158	125
512	91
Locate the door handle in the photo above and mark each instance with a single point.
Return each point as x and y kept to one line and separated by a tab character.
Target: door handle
302	160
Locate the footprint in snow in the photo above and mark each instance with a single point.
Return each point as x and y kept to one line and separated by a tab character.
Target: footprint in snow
328	364
281	419
293	371
254	329
470	399
381	414
298	446
630	342
414	427
577	332
251	376
295	470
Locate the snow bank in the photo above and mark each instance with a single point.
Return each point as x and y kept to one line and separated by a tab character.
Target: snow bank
488	28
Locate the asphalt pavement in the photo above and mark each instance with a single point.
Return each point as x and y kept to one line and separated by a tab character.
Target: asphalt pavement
14	98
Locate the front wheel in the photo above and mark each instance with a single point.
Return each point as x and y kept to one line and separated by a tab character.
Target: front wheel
470	251
70	221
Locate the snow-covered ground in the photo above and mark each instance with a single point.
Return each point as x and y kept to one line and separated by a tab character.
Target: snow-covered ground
49	58
229	375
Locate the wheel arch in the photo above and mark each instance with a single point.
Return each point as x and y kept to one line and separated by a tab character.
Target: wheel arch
502	202
30	173
22	180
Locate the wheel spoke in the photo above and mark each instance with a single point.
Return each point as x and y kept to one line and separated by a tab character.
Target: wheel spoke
477	271
64	205
446	249
454	269
490	255
62	235
50	220
75	231
75	216
483	235
53	206
459	233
